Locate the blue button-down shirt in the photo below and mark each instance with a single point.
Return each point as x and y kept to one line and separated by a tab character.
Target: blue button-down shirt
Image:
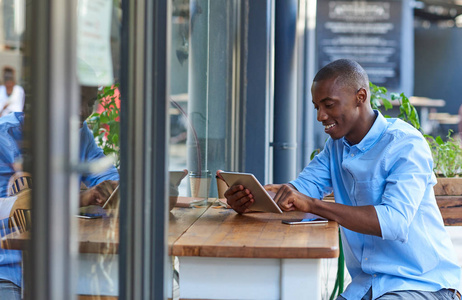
391	169
10	138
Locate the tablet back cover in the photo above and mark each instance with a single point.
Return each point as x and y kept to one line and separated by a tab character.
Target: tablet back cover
263	201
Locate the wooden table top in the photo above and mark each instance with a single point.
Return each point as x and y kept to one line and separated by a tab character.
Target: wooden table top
95	236
423	102
224	233
102	235
180	219
212	231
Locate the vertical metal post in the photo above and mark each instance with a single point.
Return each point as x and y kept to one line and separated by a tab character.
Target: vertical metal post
144	123
53	132
307	115
198	85
407	49
285	103
257	87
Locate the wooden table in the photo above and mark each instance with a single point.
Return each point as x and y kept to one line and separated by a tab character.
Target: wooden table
222	255
97	236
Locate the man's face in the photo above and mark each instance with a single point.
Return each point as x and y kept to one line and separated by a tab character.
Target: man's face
88	97
9	84
337	109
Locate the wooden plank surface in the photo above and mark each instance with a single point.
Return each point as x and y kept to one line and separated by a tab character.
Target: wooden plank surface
102	235
95	236
224	233
99	235
451	186
16	240
180	219
204	231
451	209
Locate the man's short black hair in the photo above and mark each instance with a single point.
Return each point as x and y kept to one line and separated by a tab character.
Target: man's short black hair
8	73
346	71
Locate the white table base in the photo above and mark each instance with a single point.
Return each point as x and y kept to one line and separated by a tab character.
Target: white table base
249	278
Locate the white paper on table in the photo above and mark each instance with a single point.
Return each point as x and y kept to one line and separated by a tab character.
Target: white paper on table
6	204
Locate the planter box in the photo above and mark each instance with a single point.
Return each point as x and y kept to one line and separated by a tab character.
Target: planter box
448	192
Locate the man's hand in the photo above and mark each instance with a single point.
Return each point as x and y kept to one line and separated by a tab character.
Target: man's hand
239	198
98	194
288	198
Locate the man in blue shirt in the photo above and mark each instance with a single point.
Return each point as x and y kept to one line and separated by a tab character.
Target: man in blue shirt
380	171
99	185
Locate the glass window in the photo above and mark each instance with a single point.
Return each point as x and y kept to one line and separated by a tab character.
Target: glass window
203	102
15	182
69	131
98	65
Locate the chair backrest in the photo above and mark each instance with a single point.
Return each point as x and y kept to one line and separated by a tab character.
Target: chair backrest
20	185
18	182
20	218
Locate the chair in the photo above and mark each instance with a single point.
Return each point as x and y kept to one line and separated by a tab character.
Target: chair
20	185
18	182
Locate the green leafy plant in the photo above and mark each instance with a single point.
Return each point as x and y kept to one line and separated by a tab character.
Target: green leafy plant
447	155
106	125
407	111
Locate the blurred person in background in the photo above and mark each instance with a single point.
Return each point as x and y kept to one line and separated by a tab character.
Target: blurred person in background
11	94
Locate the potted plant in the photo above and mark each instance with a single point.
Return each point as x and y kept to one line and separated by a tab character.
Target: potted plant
105	123
447	156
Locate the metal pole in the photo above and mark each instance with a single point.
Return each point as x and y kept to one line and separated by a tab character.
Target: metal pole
285	104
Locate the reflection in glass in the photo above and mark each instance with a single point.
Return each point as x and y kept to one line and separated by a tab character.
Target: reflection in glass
98	64
201	108
15	184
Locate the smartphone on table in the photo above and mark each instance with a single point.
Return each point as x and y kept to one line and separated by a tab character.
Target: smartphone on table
313	220
90	216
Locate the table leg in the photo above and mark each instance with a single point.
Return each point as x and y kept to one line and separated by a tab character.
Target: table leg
301	279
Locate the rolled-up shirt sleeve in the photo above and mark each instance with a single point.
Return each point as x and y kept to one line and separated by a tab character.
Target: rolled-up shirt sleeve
410	172
89	151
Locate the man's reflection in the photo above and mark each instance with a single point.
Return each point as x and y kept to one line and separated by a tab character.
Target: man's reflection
100	185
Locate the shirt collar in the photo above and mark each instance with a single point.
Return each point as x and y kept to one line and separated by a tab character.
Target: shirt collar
373	135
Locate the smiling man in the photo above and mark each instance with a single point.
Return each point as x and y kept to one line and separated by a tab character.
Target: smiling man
380	171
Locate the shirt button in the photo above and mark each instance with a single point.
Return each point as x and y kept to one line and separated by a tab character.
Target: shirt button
365	258
375	275
352	155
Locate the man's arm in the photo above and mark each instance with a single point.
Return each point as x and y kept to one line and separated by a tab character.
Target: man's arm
101	184
362	219
89	151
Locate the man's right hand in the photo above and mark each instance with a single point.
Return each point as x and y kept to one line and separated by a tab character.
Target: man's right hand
98	194
239	198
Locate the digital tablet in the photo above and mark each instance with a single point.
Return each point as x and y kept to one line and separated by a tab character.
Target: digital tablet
263	201
175	177
113	198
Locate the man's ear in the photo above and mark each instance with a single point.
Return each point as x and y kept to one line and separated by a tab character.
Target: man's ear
361	96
